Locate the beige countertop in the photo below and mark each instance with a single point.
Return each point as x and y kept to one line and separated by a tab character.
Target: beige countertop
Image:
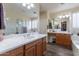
63	32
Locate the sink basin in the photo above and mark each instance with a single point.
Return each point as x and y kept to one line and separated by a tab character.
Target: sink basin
29	36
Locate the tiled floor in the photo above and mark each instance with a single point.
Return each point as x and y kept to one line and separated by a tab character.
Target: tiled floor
55	50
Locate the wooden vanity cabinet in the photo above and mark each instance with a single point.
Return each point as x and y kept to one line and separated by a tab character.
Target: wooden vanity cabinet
64	40
15	52
35	48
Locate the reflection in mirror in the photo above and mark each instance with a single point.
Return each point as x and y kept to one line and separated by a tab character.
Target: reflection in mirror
19	19
61	23
12	26
20	26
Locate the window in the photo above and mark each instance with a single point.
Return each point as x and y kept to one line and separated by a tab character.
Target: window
32	25
28	24
75	17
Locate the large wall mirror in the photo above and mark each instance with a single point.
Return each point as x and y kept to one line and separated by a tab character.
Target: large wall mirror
61	23
18	19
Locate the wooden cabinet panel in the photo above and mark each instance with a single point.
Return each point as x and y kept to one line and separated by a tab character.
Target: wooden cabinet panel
39	48
59	39
15	52
30	49
19	54
27	46
63	39
30	52
44	46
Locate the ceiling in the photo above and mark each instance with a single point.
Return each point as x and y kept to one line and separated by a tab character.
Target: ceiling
51	7
55	7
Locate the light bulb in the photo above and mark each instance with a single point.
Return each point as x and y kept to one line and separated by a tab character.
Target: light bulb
7	19
63	17
67	16
28	7
32	5
60	17
24	4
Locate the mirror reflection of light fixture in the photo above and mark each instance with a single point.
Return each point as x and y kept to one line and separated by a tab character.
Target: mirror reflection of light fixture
67	15
59	16
20	22
24	4
32	5
28	5
7	19
63	16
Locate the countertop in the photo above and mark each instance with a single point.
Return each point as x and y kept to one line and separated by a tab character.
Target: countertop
63	32
58	31
13	41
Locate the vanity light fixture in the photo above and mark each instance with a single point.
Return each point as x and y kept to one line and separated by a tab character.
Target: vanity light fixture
67	16
59	16
64	16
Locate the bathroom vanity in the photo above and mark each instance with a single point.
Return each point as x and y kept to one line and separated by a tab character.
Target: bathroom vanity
62	38
21	45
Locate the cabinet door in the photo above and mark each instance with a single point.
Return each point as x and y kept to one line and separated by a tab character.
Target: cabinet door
68	42
64	40
44	46
39	48
30	49
59	39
